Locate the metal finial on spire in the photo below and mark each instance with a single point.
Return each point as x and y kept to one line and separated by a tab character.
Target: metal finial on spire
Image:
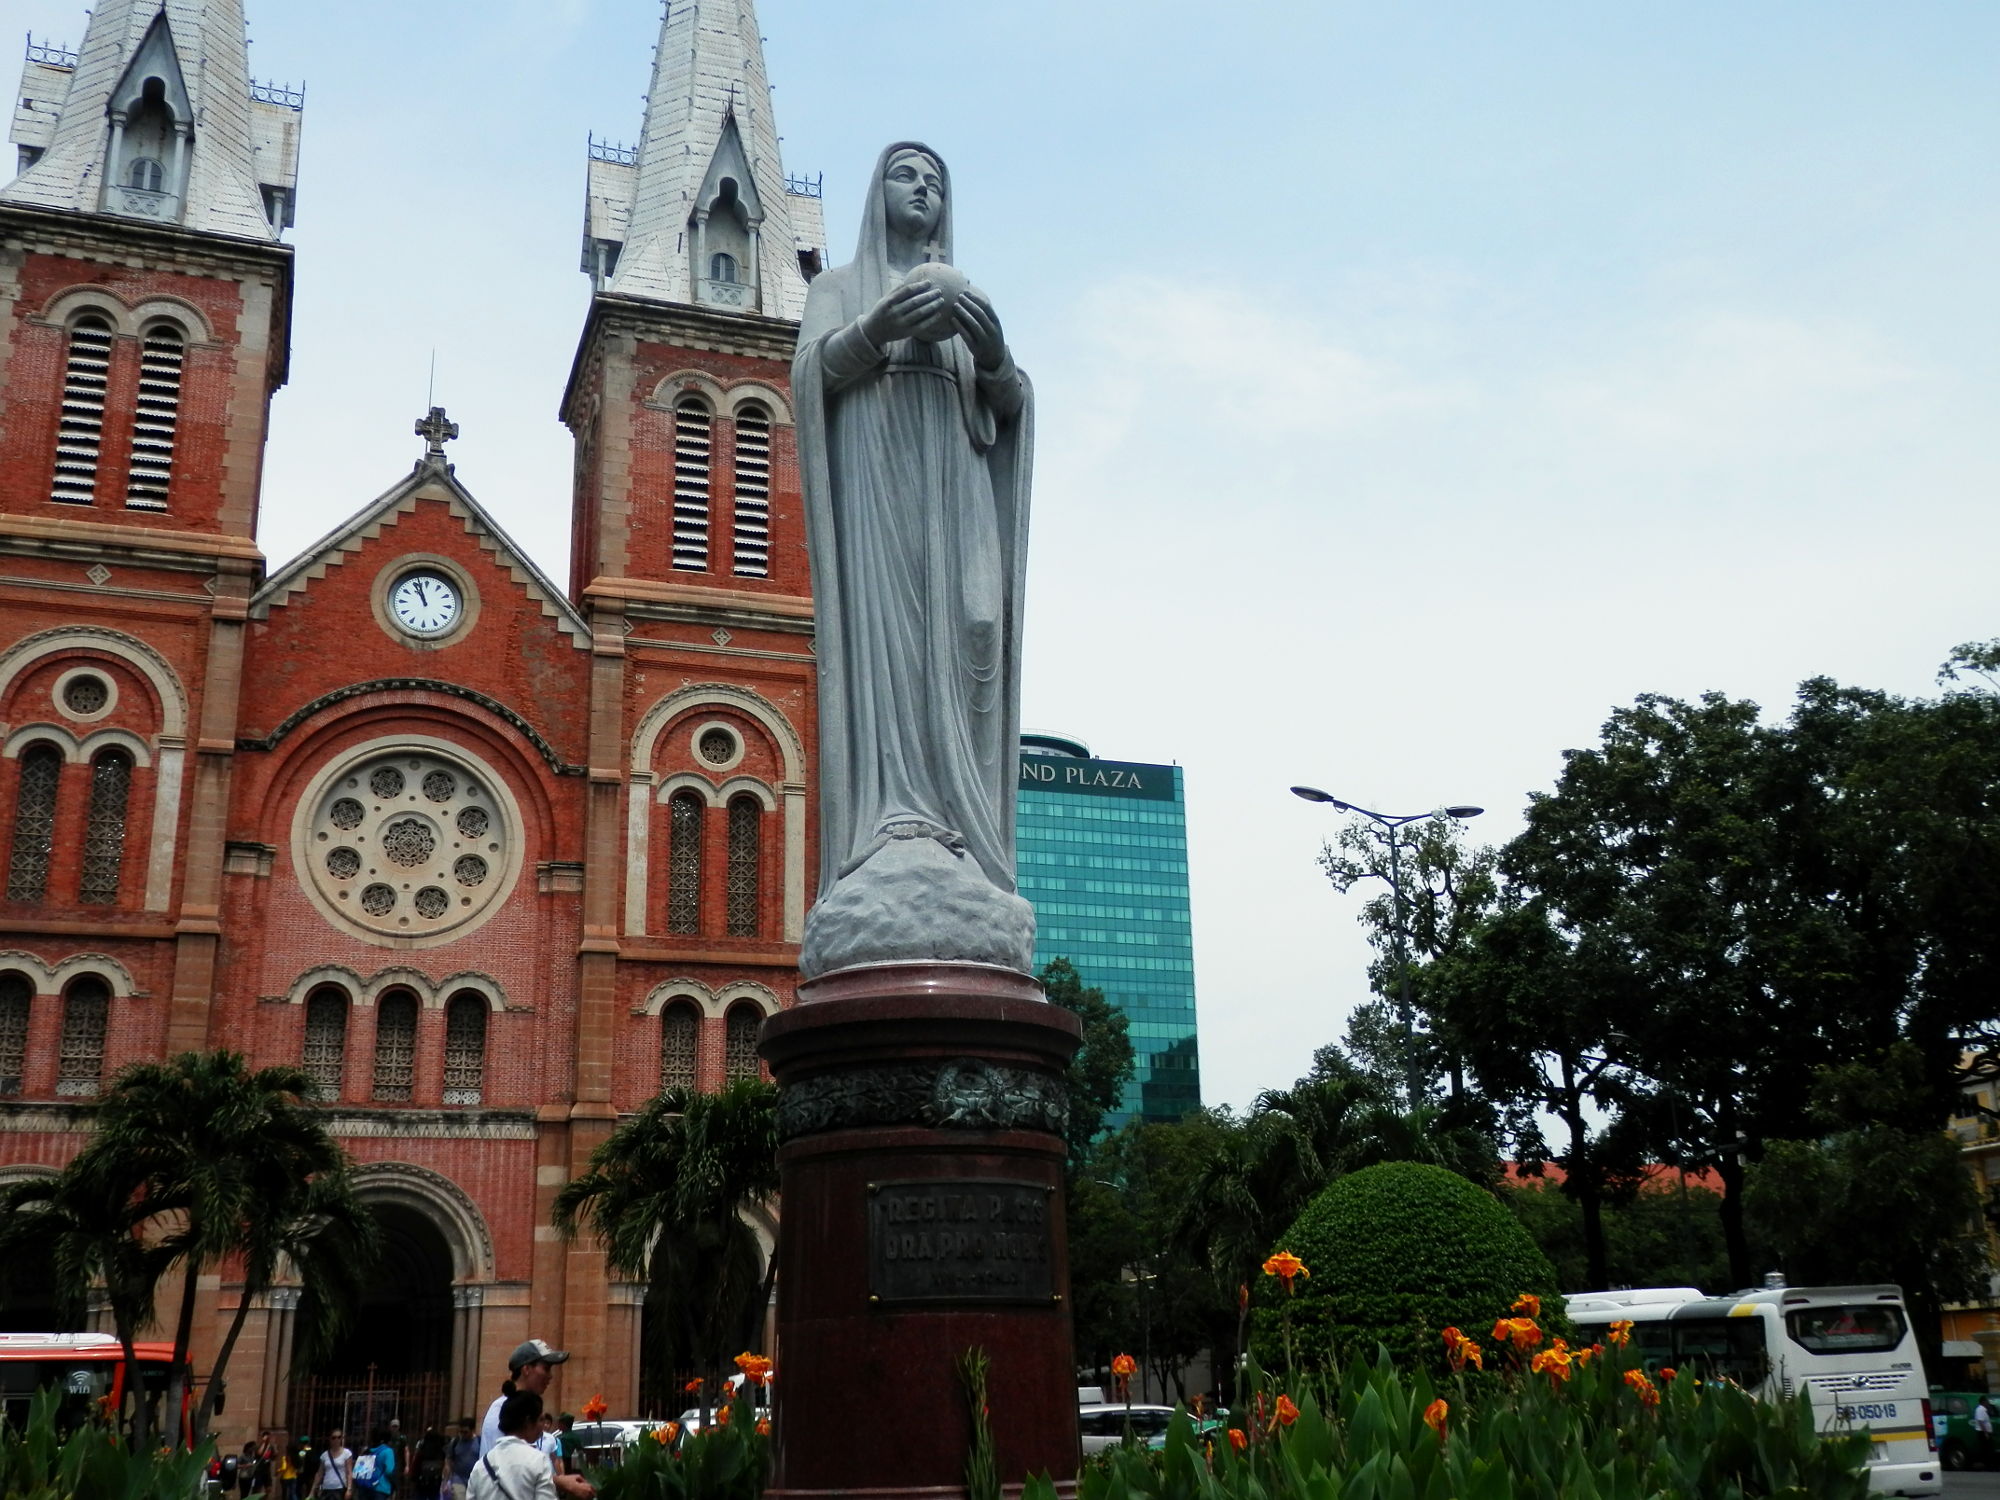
436	430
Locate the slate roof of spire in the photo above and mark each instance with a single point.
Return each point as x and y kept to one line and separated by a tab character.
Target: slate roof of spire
226	167
708	68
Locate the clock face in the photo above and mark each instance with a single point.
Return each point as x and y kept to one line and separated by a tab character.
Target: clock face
425	602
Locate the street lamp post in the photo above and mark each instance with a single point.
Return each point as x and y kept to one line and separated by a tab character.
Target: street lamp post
1393	822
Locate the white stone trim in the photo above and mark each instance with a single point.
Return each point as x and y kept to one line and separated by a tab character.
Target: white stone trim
449	1207
669	390
743	392
665	994
737	991
124	739
30	734
52	980
64	679
739	785
736	755
686	781
431	994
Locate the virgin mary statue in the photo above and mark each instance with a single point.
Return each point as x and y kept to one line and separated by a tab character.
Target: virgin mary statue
914	438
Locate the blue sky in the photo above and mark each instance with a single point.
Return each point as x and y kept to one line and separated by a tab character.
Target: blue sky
1416	382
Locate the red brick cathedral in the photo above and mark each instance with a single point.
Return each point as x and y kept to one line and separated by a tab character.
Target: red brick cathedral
494	859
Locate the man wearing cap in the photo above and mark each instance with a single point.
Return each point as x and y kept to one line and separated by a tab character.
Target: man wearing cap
530	1368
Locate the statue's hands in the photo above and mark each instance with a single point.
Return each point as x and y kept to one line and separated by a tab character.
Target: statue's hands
979	325
902	312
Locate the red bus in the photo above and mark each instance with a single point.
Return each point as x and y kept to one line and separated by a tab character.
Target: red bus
85	1367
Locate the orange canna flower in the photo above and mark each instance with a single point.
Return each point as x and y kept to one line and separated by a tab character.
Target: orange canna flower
1124	1366
1520	1332
764	1428
753	1365
667	1432
595	1407
1286	1412
1584	1356
1649	1394
1556	1363
722	1416
1473	1355
1667	1372
693	1385
1434	1416
1237	1440
1528	1305
1462	1351
1621	1332
1287	1267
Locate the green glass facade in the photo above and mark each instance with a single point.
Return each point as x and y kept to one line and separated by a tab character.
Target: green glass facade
1103	857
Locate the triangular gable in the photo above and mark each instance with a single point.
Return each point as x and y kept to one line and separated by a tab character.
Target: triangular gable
731	161
155	57
348	538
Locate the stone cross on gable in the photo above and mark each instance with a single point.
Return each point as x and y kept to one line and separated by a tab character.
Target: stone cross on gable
436	430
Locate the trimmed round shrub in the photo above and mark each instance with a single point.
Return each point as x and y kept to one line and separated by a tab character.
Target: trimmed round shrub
1399	1252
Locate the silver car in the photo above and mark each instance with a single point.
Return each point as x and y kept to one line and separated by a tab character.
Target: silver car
1104	1426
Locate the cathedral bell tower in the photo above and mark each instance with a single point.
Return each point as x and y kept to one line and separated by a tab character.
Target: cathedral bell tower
145	311
688	559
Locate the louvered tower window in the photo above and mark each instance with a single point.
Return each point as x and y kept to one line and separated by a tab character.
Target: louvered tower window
739	1048
158	415
752	557
326	1040
80	1056
81	436
746	858
16	994
680	1033
684	863
465	1049
34	823
395	1046
692	441
104	834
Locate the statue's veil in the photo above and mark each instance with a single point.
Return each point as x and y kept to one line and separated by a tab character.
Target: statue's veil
873	273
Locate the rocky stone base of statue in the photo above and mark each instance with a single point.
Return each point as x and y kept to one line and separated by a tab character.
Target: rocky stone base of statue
916	901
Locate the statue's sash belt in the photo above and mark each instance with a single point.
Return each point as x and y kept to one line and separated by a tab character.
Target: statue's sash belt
900	367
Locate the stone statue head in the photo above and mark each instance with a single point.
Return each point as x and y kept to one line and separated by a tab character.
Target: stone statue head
913	188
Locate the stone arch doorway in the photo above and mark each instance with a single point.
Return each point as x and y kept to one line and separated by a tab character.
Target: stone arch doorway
28	1299
403	1323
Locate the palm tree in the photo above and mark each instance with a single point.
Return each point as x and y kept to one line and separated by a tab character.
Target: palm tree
665	1196
92	1222
232	1162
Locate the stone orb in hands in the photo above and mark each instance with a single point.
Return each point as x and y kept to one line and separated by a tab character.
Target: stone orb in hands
953	283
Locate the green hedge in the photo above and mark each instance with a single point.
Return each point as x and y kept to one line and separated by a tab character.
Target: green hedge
1398	1252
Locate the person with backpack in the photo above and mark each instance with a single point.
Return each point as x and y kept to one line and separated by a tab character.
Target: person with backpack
375	1467
334	1479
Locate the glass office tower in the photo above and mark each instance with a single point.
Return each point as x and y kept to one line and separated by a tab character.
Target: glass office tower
1103	858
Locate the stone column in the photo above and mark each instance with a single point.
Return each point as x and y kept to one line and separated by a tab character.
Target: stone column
275	1399
921	1166
468	1312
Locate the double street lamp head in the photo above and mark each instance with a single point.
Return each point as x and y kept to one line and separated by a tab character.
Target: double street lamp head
1314	794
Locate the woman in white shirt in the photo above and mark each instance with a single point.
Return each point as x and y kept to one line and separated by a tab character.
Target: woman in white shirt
515	1469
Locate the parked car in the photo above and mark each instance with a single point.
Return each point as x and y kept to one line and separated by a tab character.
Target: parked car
602	1445
1951	1425
1104	1425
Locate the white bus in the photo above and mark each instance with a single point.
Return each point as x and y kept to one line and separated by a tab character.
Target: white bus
1847	1347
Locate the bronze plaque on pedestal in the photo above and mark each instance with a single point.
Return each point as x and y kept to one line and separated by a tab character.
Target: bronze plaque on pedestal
940	1240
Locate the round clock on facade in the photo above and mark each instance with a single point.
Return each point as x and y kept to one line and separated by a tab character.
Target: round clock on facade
425	603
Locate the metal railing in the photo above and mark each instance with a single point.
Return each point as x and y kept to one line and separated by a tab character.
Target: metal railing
615	152
805	187
55	57
279	93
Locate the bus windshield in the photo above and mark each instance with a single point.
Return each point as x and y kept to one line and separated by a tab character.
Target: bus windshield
1854	1328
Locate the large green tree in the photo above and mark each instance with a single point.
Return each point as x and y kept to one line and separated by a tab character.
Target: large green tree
1102	1066
666	1196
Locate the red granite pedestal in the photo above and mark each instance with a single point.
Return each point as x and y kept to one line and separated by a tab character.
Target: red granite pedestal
921	1161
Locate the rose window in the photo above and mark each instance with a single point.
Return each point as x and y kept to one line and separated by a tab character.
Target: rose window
407	844
718	747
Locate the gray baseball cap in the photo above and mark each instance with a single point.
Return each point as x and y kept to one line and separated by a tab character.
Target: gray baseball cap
535	1352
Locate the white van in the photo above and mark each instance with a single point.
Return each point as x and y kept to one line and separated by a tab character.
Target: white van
1849	1348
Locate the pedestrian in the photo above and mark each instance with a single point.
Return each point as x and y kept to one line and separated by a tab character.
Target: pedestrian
529	1368
246	1471
514	1468
464	1454
401	1445
284	1472
550	1442
375	1468
427	1464
335	1474
569	1455
1982	1429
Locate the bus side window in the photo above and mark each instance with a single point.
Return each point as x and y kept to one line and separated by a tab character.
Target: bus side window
1723	1348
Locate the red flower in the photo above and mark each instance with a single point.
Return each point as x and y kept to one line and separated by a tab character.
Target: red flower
1287	1413
1237	1440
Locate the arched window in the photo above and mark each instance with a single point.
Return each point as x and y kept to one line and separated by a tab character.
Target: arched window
746	860
34	822
465	1048
684	820
752	555
326	1039
81	435
80	1056
16	995
104	833
395	1046
722	268
157	417
145	175
680	1040
692	435
739	1045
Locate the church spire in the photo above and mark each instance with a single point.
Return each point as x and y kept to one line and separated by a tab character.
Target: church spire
700	210
155	118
